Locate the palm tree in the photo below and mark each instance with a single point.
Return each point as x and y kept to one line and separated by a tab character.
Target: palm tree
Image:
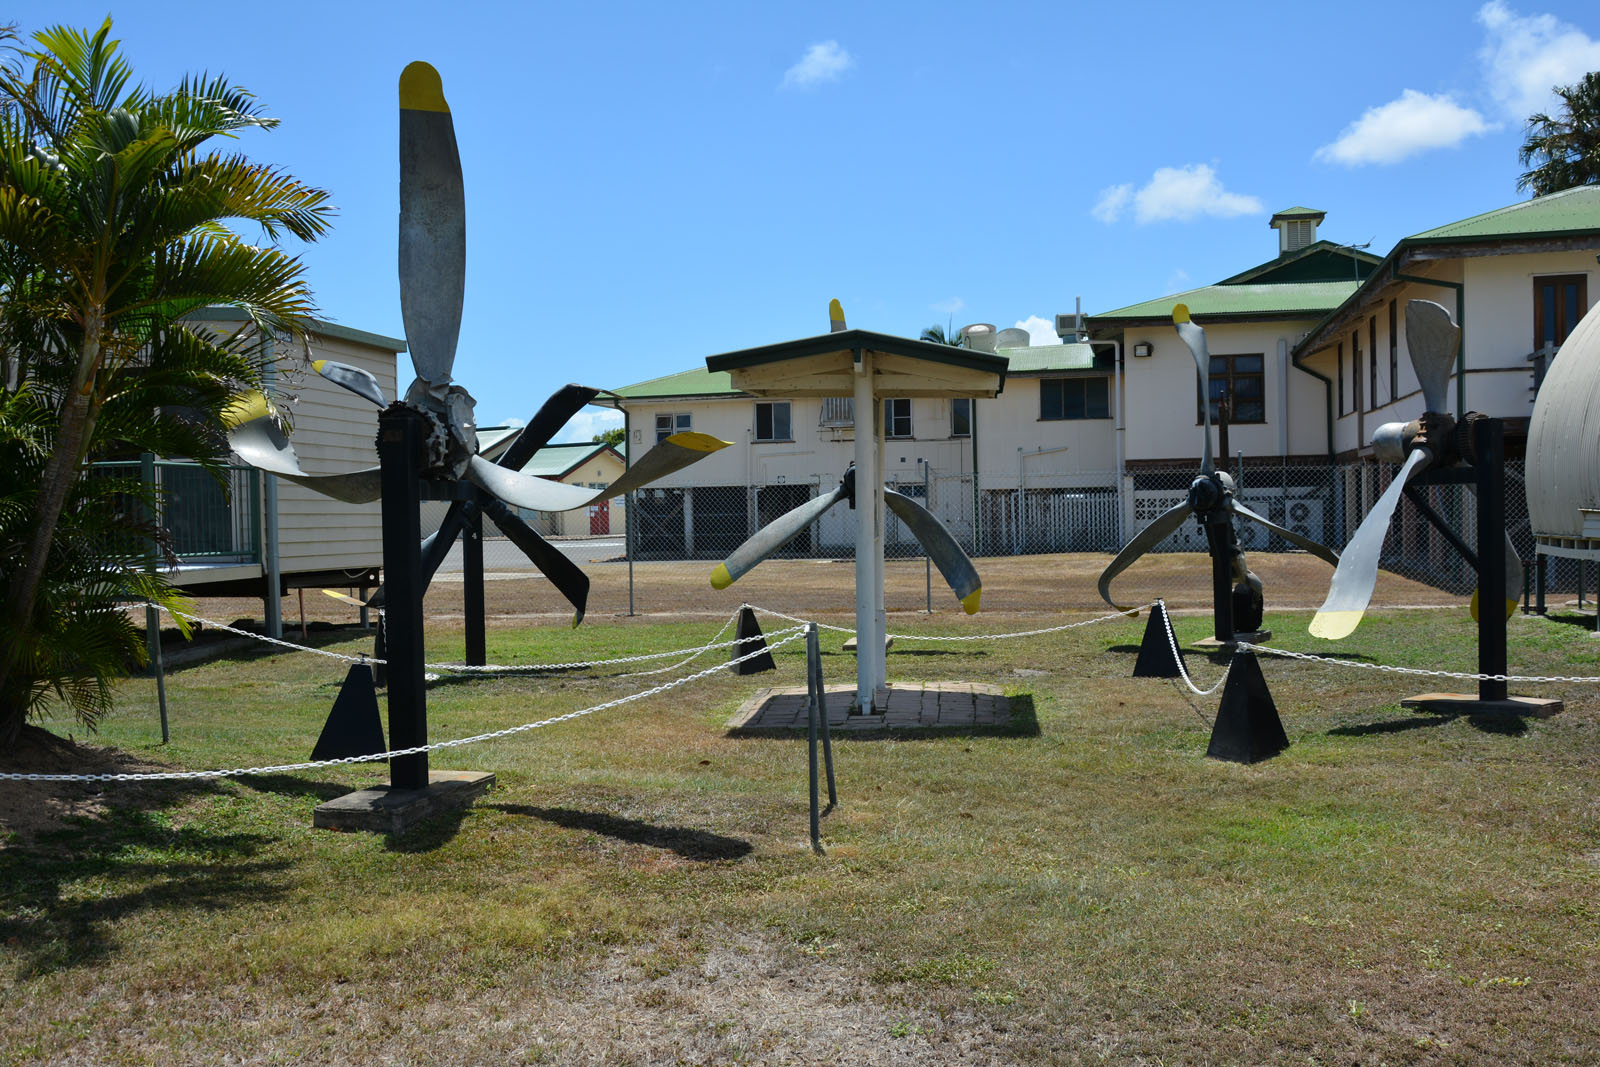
942	335
115	215
1566	148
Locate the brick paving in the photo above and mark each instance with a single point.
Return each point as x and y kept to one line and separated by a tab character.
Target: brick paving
902	706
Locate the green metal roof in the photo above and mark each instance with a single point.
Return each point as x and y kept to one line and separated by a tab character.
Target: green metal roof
1571	210
1297	213
1323	261
695	382
869	340
1302	299
1041	359
552	461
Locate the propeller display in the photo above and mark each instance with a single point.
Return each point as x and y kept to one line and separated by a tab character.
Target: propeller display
1433	441
1213	501
432	267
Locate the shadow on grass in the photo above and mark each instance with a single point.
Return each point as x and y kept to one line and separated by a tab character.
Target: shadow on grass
690	844
179	655
68	890
1503	725
1582	622
1024	723
1223	655
287	785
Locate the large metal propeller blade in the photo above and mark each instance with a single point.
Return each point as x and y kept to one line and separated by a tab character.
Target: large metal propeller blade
554	414
254	433
1315	548
945	552
564	574
773	536
1357	572
542	494
835	316
1194	335
358	381
1432	340
1514	579
1147	539
433	225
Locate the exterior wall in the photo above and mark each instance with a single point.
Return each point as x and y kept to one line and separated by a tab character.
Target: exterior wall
334	430
598	470
1013	437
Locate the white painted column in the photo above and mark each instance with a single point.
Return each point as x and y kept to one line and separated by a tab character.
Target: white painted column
880	514
869	579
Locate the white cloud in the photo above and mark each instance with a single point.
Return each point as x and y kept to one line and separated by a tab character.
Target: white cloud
1040	331
825	62
948	307
1178	281
1112	201
586	423
1175	194
1402	128
1525	56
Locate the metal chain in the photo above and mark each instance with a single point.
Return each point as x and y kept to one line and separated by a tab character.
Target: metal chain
1463	675
1183	671
967	637
283	768
269	640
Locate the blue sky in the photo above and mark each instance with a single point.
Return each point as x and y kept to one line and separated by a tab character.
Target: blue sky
648	184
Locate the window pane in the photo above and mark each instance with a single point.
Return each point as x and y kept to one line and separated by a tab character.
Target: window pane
961	417
1249	411
1072	395
1247	364
683	423
1246	388
1097	403
763	422
780	422
1050	406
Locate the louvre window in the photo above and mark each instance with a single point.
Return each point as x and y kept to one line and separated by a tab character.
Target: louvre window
1074	398
667	425
897	417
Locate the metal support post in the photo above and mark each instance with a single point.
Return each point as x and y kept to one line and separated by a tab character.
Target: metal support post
1218	528
400	441
927	560
472	587
152	621
814	679
1489	444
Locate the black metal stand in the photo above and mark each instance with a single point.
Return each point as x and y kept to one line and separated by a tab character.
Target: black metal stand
1487	474
400	442
472	588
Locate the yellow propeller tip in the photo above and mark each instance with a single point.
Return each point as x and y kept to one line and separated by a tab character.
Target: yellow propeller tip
836	314
247	408
421	88
1332	625
969	603
1180	313
697	442
317	365
720	578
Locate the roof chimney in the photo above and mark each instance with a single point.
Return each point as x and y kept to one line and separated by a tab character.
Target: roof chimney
1297	228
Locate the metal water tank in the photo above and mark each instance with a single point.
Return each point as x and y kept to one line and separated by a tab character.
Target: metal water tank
1563	467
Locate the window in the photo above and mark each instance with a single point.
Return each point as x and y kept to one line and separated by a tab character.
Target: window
1074	398
1372	363
1355	369
1559	301
961	417
837	411
667	425
1394	354
1339	376
1242	378
897	416
772	421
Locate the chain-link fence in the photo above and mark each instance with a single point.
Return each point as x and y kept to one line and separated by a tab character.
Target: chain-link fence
1039	540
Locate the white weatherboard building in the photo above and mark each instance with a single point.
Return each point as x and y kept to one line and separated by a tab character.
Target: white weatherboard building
1308	352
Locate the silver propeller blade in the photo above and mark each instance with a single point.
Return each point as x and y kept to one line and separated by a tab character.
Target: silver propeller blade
771	537
959	573
564	574
1147	539
546	423
1315	548
433	225
1194	336
541	494
1357	573
254	434
358	381
1432	340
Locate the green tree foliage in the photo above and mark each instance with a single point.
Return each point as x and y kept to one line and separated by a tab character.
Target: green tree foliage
1564	148
116	216
943	335
613	437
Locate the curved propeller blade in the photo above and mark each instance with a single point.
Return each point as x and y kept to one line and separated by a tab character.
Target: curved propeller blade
1513	590
254	434
552	415
1357	572
358	381
1431	338
436	546
542	494
564	574
1315	548
835	316
433	225
771	537
1147	539
959	573
1194	335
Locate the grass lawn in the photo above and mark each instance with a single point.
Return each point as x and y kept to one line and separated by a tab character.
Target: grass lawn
639	888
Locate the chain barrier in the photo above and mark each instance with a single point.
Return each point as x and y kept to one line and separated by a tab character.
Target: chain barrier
1183	671
787	636
1462	675
968	637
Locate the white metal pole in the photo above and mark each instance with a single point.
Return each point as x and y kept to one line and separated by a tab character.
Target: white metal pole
880	515
867	492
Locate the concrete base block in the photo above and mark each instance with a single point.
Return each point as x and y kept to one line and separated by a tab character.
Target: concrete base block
1469	704
387	810
1254	637
850	644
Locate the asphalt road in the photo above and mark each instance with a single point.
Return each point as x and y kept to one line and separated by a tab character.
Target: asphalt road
500	554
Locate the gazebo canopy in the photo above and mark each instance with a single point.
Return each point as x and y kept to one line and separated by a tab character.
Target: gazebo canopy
825	366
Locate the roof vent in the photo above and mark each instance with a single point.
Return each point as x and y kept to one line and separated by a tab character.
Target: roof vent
1297	228
980	336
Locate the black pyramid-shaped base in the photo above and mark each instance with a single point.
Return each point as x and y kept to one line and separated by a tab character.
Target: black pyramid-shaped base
1247	729
750	639
1155	651
354	727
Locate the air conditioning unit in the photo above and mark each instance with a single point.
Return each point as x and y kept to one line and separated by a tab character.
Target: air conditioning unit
1067	326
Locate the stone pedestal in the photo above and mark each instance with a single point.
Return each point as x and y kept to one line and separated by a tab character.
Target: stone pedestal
388	810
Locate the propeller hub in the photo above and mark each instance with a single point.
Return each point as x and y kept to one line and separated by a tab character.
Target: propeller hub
1207	492
453	426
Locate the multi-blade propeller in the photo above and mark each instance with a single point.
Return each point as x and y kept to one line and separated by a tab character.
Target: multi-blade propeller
432	257
1433	440
1212	500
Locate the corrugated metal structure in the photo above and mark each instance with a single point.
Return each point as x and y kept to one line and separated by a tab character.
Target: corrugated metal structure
1563	473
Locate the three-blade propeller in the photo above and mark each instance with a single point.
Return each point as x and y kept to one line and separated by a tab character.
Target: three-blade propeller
432	268
1432	339
1211	491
